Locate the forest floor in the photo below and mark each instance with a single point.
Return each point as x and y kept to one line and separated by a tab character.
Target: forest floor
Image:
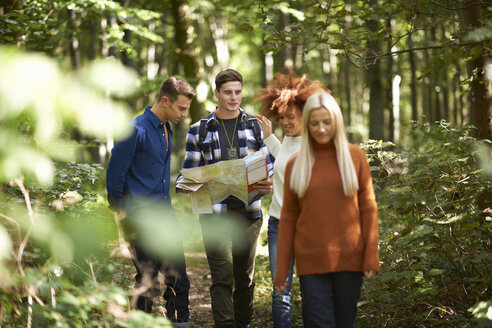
199	297
200	303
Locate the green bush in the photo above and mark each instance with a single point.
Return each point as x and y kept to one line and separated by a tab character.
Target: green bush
435	238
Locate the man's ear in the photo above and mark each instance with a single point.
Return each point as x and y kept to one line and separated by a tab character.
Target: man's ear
216	93
165	101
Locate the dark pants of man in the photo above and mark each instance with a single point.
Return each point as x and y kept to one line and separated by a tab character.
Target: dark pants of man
147	281
230	243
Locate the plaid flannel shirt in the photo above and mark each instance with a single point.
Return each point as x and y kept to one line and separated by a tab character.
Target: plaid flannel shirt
210	153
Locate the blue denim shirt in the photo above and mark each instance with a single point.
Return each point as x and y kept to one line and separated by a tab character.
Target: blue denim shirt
138	173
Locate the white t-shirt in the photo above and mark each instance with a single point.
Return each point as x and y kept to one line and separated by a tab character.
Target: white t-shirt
282	153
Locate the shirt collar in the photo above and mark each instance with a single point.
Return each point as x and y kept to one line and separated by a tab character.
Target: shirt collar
212	118
156	122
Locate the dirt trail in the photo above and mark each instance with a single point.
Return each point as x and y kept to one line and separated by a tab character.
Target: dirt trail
200	303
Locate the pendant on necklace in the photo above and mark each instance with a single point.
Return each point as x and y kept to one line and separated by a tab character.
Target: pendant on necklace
232	153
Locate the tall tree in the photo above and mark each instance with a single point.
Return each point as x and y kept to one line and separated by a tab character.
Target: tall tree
74	41
185	51
374	82
480	89
413	79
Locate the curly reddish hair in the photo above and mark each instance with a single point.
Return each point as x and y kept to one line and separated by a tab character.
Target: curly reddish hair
285	90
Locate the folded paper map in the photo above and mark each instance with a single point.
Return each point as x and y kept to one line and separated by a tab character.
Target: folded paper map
213	183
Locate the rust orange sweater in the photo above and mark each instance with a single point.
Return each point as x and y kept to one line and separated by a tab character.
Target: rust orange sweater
328	231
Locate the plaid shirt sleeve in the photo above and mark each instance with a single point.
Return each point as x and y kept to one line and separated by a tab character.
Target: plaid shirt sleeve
193	155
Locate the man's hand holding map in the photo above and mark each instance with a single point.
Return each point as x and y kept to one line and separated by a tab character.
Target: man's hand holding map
213	183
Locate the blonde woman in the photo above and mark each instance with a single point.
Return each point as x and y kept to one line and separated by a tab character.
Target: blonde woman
329	218
283	100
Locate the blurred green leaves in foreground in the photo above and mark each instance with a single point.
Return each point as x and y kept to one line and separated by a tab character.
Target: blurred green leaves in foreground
55	228
40	106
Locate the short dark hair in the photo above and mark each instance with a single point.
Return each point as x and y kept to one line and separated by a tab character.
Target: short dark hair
227	75
175	86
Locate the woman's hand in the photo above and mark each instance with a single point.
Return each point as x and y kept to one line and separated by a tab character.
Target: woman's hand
369	274
264	186
282	287
266	124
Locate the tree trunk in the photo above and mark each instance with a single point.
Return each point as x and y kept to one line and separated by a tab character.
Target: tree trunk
413	80
184	52
427	85
329	67
263	62
104	37
389	88
126	59
348	96
151	65
445	87
280	57
161	51
480	95
94	29
374	83
454	95
436	82
74	41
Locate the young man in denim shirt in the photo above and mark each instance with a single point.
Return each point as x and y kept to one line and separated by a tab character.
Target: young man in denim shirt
138	180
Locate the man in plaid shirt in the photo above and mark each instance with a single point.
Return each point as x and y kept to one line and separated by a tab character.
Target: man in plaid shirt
230	234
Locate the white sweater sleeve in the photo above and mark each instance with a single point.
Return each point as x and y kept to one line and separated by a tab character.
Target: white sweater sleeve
273	144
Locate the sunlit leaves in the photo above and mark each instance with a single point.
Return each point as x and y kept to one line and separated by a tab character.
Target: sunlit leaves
482	310
483	33
38	99
5	253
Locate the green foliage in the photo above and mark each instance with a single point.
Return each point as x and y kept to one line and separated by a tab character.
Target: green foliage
55	227
435	232
43	25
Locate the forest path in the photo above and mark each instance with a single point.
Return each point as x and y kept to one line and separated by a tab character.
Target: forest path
200	302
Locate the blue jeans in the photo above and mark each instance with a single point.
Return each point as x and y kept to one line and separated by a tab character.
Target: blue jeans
330	299
280	300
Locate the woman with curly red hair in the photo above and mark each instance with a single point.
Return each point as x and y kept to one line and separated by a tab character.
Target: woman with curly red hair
283	100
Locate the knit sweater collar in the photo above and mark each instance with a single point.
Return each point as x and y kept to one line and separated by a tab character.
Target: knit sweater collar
291	140
321	149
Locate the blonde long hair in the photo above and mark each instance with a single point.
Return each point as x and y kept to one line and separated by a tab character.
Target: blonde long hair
301	172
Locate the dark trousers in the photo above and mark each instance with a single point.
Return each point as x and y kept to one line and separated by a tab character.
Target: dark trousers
147	284
330	300
230	244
